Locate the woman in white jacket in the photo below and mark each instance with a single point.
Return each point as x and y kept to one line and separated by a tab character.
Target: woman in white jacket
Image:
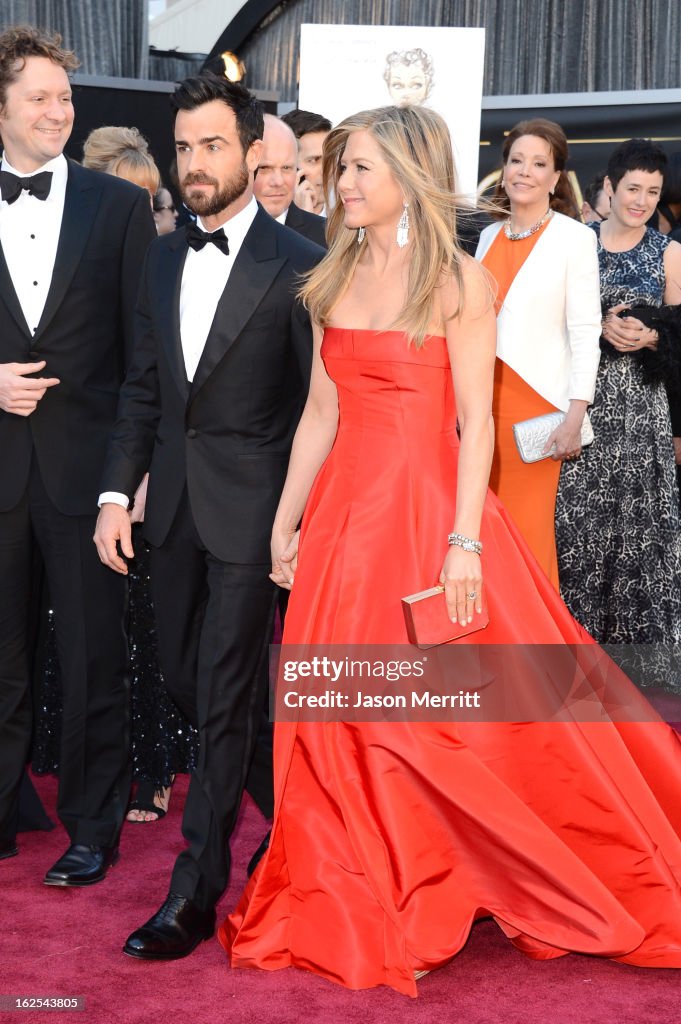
548	324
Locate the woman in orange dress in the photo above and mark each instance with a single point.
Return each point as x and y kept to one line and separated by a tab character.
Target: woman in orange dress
548	326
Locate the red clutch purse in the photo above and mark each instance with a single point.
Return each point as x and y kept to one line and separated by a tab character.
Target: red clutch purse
428	623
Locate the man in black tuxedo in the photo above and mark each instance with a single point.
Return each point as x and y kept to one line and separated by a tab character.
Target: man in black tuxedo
72	247
275	182
222	358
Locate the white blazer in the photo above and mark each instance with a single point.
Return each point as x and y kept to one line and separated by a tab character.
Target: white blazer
549	325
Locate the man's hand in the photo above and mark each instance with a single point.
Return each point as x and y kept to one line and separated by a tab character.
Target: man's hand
113	525
20	394
305	195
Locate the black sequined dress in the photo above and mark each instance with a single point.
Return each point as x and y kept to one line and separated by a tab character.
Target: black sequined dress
162	742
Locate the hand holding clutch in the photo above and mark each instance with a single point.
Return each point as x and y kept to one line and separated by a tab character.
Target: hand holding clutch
428	622
531	435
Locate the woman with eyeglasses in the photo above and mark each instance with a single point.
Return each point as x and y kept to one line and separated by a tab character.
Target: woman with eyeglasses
165	214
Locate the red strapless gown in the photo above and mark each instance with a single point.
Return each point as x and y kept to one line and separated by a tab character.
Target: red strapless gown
389	840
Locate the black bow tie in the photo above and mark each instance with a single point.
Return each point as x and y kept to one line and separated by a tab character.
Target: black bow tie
196	238
37	185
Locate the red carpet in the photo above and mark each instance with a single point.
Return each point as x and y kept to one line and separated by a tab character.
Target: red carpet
68	943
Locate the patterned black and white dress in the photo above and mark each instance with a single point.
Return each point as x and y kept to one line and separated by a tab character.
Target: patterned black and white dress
618	531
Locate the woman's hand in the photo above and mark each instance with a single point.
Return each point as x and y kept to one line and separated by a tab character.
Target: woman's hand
461	577
627	334
565	442
284	557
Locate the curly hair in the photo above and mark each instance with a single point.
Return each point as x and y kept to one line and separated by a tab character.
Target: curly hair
635	155
19	43
408	58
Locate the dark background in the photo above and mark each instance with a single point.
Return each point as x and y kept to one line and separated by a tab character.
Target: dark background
593	130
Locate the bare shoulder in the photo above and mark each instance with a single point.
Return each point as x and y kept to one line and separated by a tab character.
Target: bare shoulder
673	252
471	294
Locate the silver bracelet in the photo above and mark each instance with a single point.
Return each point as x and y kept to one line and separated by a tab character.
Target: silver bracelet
466	543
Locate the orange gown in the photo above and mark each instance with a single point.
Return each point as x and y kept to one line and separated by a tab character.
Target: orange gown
391	838
528	491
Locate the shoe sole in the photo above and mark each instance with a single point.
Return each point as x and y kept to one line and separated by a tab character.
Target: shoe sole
63	883
139	955
10	853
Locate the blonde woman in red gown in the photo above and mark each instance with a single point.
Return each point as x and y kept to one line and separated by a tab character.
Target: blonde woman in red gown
390	839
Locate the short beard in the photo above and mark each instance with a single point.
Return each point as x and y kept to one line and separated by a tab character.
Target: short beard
210	206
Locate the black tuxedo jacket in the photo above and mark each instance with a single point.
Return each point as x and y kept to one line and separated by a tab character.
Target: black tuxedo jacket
85	337
307	224
227	436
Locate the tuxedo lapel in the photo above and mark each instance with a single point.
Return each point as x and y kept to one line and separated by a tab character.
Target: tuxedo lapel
83	193
9	296
256	266
170	278
293	218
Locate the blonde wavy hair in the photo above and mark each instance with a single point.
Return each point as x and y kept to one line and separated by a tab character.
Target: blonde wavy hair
123	152
416	145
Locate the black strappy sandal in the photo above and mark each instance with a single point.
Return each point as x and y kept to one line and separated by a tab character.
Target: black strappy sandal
144	801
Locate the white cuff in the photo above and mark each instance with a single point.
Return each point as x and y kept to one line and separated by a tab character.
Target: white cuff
113	498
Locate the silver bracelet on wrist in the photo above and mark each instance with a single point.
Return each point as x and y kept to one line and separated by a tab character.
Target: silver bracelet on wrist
466	543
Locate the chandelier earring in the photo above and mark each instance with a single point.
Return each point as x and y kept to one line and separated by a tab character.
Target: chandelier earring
360	235
403	227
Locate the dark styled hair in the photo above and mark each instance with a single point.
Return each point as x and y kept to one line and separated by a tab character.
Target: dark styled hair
206	87
19	43
563	199
302	122
593	190
635	155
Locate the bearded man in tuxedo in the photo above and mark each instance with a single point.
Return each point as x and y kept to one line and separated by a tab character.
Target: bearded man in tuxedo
72	245
223	352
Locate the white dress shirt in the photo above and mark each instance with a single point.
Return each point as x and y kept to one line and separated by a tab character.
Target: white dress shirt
282	216
204	278
29	233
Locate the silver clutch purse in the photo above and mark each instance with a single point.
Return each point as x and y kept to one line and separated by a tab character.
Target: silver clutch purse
532	435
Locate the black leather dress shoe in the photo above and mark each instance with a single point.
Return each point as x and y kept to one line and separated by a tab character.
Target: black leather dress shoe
8	848
258	855
82	865
174	931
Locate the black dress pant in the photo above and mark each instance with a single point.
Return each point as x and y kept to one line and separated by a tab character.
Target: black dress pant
214	623
89	610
